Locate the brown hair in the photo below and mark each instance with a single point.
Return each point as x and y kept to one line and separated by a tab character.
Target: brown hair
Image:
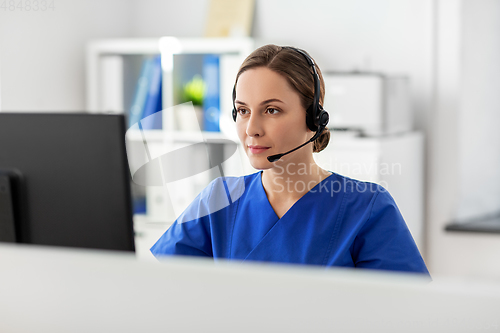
294	68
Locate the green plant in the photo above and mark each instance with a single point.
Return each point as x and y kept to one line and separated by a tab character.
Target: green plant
194	90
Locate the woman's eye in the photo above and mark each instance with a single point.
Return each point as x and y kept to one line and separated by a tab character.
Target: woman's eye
242	111
272	111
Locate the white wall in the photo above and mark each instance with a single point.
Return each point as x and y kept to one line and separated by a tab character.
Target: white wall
42	52
465	154
479	122
392	36
154	18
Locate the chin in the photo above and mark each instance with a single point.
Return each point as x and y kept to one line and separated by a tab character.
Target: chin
260	163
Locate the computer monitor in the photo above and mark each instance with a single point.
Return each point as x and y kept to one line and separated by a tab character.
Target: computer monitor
64	180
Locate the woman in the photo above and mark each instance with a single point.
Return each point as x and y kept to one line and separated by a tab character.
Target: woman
292	211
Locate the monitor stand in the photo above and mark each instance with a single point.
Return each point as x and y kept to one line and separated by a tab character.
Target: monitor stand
10	181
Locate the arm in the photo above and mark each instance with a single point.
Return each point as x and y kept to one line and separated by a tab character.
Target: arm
186	238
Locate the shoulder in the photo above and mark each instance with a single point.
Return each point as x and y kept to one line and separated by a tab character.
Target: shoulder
359	201
354	188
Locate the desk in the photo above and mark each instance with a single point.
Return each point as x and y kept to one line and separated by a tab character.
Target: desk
66	290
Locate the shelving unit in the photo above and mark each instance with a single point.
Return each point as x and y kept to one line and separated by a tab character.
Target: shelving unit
107	70
113	68
157	136
110	70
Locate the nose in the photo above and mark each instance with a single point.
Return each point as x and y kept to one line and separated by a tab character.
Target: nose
254	125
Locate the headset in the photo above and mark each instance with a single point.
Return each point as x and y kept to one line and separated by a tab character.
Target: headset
316	117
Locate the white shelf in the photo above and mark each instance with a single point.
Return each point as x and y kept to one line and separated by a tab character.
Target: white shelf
124	46
172	45
177	136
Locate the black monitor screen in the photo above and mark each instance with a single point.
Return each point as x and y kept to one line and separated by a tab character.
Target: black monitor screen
75	182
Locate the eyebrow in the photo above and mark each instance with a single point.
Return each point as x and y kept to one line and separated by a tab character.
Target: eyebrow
264	102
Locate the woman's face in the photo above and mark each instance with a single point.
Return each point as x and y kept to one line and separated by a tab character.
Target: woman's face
271	119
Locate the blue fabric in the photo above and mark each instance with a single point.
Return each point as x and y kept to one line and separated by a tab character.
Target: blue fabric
340	222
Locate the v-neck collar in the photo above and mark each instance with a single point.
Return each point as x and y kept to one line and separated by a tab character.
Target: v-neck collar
264	194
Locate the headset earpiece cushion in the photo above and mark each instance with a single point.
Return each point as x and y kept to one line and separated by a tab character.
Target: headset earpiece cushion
324	118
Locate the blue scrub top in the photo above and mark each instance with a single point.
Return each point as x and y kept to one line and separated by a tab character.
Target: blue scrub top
339	222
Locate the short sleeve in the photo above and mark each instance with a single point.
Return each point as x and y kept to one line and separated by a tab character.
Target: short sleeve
384	241
190	233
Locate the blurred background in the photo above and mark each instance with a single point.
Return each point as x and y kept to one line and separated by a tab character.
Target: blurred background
449	50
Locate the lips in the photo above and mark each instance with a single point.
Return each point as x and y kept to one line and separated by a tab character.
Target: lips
255	149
